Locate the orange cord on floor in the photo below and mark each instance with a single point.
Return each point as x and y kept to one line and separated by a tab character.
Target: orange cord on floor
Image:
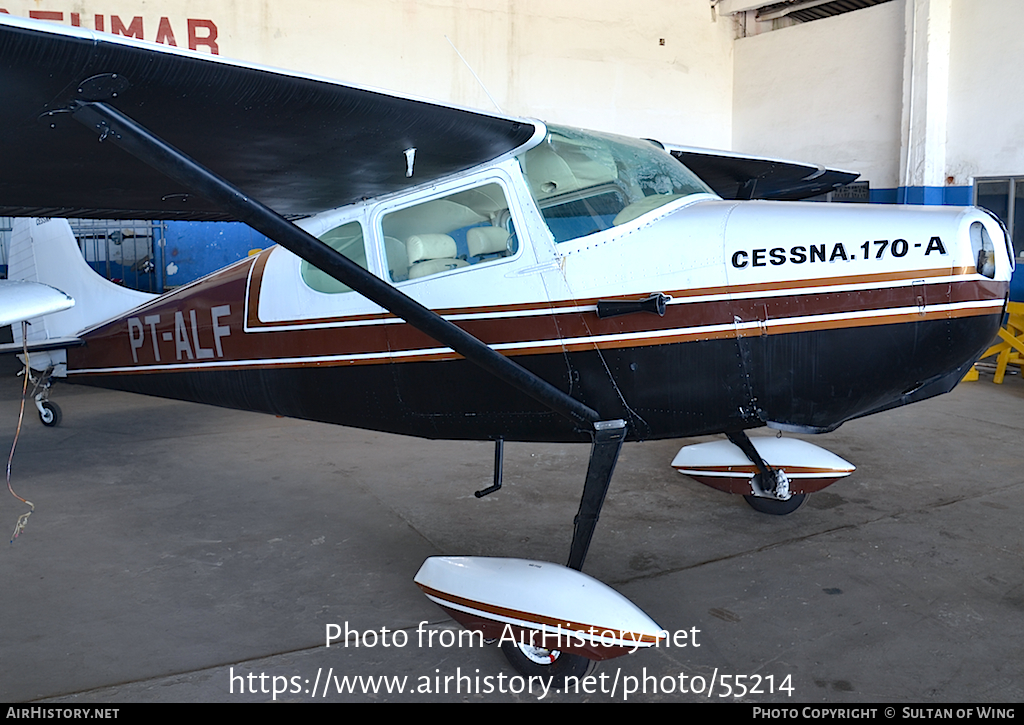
23	519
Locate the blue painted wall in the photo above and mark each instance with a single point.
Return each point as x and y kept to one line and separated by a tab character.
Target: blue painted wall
930	195
194	249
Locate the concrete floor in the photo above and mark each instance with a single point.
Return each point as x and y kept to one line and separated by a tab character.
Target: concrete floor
175	545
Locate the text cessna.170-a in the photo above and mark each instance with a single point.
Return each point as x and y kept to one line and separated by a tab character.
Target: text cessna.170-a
449	273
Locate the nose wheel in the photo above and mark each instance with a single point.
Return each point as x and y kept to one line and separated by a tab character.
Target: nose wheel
771	485
774	506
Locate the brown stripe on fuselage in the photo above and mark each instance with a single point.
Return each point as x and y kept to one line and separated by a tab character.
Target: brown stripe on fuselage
432	353
364	340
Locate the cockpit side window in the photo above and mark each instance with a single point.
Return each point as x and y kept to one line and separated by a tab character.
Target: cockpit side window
347	239
585	182
466	228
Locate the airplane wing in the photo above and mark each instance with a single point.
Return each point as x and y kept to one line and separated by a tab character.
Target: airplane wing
740	176
21	300
297	143
259	142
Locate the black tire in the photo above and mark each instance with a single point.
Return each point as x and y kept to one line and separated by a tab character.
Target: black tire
561	665
50	415
774	506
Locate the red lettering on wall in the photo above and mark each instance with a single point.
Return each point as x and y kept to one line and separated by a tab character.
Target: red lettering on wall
132	31
209	40
164	34
201	32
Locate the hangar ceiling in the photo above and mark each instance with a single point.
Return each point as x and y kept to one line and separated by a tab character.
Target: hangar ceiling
800	11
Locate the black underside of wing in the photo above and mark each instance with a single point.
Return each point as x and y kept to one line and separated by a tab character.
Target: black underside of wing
299	145
740	177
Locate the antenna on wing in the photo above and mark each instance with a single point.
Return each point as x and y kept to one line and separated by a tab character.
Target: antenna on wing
474	74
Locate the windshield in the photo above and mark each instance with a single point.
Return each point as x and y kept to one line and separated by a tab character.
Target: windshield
585	182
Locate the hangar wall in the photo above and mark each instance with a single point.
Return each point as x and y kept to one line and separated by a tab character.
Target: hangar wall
986	110
917	95
828	91
658	69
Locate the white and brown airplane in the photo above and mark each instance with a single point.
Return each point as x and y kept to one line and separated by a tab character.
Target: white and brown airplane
449	273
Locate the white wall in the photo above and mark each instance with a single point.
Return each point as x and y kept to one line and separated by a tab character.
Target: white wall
986	108
832	91
829	91
591	63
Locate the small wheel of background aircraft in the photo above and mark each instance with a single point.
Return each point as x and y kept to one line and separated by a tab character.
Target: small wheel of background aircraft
50	414
25	300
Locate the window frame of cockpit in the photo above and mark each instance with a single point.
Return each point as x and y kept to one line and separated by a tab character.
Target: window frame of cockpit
496	175
695	188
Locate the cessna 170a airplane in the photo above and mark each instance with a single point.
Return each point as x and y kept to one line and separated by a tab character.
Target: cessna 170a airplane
449	273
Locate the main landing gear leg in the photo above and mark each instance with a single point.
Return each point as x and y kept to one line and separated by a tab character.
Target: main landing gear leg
533	661
608	439
771	485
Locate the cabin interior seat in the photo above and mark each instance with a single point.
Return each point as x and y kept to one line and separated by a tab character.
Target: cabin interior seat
430	254
487	242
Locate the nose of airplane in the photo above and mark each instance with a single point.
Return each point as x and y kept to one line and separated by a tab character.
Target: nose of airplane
770	242
987	234
862	307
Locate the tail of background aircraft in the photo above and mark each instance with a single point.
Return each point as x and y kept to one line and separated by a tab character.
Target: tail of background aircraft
45	250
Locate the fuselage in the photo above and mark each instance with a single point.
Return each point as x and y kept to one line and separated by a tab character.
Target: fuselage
799	315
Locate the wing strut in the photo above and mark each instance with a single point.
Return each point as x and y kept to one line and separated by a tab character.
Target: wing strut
114	127
117	128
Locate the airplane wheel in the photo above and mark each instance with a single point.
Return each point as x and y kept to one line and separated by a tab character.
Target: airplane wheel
774	506
50	415
532	661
